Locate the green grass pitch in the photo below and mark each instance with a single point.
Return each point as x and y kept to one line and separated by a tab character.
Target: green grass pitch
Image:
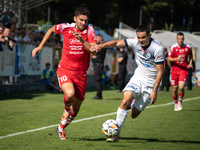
28	121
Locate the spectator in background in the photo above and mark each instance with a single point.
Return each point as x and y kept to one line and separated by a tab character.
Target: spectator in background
165	79
1	40
17	35
38	37
1	24
5	38
24	36
45	77
107	79
53	76
122	60
12	28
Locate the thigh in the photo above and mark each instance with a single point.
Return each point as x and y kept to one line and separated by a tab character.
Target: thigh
80	85
133	86
142	101
127	99
183	76
174	79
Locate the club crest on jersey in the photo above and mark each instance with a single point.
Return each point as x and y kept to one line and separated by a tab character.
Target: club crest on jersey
186	49
148	55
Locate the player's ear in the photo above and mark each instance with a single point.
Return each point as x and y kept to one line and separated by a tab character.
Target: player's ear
75	18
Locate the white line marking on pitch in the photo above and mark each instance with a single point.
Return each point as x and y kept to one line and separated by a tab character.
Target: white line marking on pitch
99	116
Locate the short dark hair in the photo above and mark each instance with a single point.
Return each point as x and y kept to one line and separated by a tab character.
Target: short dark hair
180	33
82	11
47	64
143	28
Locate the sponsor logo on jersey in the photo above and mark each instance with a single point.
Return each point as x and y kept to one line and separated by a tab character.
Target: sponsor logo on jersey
73	41
160	56
181	50
132	87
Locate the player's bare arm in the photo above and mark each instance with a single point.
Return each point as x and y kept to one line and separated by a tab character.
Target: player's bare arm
114	43
190	61
153	94
38	49
85	44
170	59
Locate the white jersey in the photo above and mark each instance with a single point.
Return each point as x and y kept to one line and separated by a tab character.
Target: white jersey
146	59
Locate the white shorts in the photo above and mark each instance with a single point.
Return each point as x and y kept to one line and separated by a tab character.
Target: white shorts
140	91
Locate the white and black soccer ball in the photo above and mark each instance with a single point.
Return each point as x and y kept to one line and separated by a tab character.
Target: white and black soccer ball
110	128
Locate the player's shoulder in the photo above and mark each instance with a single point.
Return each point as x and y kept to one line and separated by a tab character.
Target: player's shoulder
62	26
174	46
187	46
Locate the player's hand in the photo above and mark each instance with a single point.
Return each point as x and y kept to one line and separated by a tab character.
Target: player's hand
153	97
179	58
36	51
190	66
77	35
95	48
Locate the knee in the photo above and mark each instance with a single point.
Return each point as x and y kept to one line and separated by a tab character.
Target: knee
69	94
124	104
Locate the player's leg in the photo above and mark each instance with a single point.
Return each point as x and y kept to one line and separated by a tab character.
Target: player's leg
182	79
68	89
174	84
122	112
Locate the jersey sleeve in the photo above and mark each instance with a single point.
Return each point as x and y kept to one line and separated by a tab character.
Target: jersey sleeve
170	52
59	28
91	34
159	56
130	42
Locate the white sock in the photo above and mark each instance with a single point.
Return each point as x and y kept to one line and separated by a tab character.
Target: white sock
121	116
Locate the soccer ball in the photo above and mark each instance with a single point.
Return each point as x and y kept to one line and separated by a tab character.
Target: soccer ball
110	128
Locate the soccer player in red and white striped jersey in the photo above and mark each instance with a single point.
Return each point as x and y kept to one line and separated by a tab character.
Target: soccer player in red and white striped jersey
178	57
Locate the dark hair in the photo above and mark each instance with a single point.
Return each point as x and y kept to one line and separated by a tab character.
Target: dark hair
143	28
180	33
47	64
82	11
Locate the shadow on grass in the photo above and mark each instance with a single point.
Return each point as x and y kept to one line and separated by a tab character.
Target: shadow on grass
141	140
25	95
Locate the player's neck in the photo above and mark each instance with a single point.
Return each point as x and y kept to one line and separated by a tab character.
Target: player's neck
180	45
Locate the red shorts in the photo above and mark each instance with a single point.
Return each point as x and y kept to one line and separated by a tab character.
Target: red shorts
79	80
178	76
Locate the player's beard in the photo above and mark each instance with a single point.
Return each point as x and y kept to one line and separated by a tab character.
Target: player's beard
81	27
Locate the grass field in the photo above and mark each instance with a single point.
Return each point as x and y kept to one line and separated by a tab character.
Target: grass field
28	121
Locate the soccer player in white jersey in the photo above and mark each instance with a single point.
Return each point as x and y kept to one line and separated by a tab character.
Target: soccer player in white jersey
143	86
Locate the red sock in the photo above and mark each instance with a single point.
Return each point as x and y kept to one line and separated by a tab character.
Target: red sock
175	99
67	104
180	97
69	120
